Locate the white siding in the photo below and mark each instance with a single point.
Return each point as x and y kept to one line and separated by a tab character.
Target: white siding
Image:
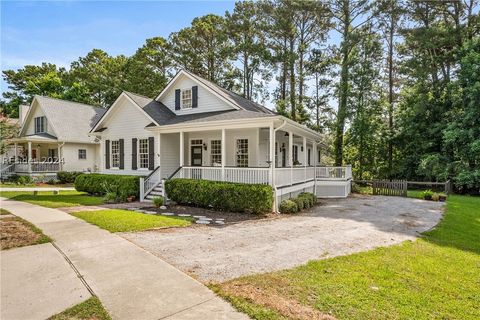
126	122
72	163
170	153
207	101
30	125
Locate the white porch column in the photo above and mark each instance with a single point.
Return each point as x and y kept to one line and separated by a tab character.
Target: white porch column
160	155
272	156
290	154
16	152
59	157
29	160
223	153
182	141
314	150
305	159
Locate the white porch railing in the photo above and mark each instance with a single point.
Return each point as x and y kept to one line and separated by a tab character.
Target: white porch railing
334	173
148	183
37	167
229	174
289	176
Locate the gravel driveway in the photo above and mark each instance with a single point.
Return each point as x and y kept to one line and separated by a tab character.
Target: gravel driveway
336	227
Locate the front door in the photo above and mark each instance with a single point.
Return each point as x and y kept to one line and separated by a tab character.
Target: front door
196	161
284	158
196	156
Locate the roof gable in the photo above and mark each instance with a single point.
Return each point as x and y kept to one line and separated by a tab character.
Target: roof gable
69	121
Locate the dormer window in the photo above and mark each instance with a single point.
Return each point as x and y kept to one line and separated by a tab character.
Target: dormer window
186	98
40	124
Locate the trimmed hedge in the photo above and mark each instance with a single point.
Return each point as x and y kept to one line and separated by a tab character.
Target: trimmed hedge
67	177
99	184
223	196
305	200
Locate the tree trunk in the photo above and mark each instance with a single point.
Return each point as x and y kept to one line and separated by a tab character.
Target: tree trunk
292	80
390	97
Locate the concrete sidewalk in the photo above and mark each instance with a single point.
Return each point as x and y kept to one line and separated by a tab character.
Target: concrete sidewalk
130	282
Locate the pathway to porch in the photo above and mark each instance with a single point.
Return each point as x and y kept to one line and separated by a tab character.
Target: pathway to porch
130	282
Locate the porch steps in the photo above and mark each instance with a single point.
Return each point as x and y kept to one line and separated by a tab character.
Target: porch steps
156	192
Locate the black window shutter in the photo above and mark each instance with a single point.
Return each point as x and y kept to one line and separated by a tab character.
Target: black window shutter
194	96
107	154
134	153
177	99
122	155
151	153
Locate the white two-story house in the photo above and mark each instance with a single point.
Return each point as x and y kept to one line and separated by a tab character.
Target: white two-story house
196	129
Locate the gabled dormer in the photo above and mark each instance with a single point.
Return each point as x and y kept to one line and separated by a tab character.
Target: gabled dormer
188	94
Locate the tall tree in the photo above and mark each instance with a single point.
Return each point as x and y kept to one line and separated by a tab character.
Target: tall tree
389	14
102	75
148	70
244	28
348	15
204	48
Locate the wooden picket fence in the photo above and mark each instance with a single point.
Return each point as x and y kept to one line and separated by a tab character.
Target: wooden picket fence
390	188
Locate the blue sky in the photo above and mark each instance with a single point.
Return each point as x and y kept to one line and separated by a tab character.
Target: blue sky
61	31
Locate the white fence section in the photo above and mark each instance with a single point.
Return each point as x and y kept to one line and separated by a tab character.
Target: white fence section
36	167
334	173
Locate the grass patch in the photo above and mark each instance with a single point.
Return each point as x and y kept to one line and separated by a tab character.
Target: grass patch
50	200
4	212
90	309
17	232
435	277
116	220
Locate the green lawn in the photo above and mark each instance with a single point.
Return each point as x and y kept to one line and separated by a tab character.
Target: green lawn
49	200
436	277
4	212
116	220
90	309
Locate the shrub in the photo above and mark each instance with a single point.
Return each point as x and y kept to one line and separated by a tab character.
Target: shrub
123	186
427	194
288	206
308	197
435	197
224	196
67	177
24	180
300	203
158	201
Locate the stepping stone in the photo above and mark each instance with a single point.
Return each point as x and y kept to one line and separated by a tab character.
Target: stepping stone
202	222
132	209
219	219
219	222
141	211
205	219
184	215
198	217
163	207
151	212
168	214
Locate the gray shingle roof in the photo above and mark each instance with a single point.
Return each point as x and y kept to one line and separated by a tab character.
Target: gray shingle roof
71	121
155	109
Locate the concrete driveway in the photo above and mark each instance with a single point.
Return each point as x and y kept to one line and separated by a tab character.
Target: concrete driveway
336	227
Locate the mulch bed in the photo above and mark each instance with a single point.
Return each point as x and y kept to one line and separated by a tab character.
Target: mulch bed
230	217
16	232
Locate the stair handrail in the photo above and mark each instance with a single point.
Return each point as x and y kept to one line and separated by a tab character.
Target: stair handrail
174	173
149	182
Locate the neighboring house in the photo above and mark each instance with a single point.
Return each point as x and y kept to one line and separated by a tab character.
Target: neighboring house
54	137
196	129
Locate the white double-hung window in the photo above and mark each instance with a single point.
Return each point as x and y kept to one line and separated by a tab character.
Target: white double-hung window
186	98
115	153
40	124
143	153
216	152
242	153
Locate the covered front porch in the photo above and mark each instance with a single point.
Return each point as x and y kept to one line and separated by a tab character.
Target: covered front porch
37	154
280	153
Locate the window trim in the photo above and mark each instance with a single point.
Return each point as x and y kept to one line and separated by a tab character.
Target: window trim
183	100
78	153
42	122
112	154
139	167
236	152
216	154
294	153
